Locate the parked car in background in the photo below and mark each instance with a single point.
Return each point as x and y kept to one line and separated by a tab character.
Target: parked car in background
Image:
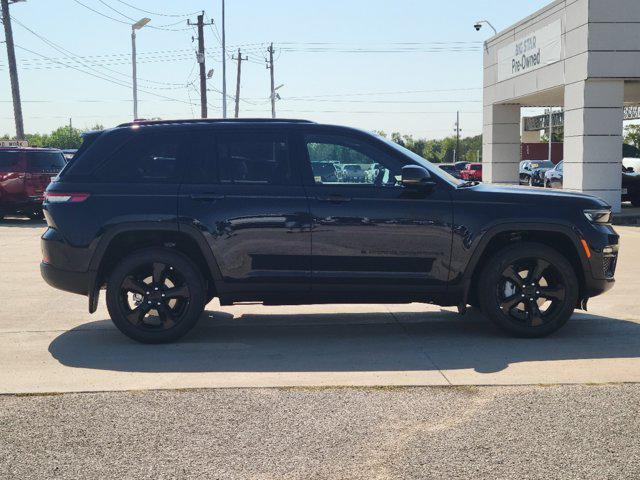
630	186
473	171
630	182
553	176
450	168
235	216
69	153
325	171
532	172
354	172
633	163
25	173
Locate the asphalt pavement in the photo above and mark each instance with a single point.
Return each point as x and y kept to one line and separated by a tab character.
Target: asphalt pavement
532	432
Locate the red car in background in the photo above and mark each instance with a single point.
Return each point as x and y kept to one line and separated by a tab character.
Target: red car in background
473	171
25	173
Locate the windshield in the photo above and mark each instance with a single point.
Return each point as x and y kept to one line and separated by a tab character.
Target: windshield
542	164
45	162
438	172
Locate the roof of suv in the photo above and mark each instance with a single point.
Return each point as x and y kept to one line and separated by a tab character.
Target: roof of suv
213	120
29	149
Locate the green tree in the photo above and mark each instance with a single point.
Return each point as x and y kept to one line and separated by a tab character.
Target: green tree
632	135
65	137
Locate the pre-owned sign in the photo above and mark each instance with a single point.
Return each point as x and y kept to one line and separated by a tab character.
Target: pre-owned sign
538	49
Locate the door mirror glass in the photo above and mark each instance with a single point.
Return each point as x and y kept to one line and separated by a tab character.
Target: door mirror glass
416	177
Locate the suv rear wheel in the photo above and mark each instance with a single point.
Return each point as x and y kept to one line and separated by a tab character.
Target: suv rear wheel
528	289
155	295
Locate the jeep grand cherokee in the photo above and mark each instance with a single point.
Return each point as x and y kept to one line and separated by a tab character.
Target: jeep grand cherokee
167	215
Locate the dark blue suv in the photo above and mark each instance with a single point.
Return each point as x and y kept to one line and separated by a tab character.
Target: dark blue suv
167	215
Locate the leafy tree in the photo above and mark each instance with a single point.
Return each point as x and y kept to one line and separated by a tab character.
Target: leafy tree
65	137
632	135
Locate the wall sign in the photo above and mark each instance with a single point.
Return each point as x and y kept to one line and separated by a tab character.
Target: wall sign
539	49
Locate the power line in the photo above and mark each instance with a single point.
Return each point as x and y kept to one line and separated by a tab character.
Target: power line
122	21
74	57
157	13
159	27
108	79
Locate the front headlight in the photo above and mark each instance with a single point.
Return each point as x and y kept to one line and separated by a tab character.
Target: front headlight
598	216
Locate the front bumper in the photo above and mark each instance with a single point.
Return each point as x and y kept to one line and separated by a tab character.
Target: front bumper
602	265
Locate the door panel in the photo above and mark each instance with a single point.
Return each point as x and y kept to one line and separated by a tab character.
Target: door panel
369	232
253	214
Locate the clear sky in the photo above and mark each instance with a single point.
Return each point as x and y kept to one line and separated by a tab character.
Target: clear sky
392	65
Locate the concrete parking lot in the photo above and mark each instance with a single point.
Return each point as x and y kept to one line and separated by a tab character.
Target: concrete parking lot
49	343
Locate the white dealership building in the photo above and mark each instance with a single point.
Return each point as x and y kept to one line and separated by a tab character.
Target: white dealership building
581	55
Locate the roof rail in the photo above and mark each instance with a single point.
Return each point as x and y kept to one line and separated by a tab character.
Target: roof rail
215	120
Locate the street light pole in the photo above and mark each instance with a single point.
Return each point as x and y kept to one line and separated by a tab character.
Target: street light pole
135	75
136	26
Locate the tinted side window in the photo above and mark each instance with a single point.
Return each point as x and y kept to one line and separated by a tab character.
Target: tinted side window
254	158
337	159
9	160
202	165
146	158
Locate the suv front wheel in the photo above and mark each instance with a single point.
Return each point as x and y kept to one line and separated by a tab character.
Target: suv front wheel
155	295
528	289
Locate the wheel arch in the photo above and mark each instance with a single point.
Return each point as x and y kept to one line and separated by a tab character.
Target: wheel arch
126	238
562	238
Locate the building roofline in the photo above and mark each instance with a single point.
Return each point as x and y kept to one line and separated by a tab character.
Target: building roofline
526	19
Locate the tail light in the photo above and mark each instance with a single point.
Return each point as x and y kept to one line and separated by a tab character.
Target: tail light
59	197
10	176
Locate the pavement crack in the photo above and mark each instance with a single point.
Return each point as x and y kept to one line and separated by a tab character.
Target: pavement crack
417	344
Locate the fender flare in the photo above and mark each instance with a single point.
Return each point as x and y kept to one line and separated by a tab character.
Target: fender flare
570	231
110	234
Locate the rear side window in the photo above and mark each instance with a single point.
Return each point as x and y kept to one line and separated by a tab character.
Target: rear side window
146	158
9	160
45	162
254	158
202	158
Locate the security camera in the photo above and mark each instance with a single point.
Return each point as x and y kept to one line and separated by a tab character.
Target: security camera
477	26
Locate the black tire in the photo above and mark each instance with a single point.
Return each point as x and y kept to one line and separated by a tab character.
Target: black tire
517	279
155	277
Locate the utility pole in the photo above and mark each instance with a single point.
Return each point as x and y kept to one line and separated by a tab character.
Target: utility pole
457	130
273	89
239	59
203	69
13	70
224	67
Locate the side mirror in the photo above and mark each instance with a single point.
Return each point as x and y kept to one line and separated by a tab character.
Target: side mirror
414	176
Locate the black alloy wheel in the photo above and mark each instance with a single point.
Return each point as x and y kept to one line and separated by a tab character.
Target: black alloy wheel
528	289
155	295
